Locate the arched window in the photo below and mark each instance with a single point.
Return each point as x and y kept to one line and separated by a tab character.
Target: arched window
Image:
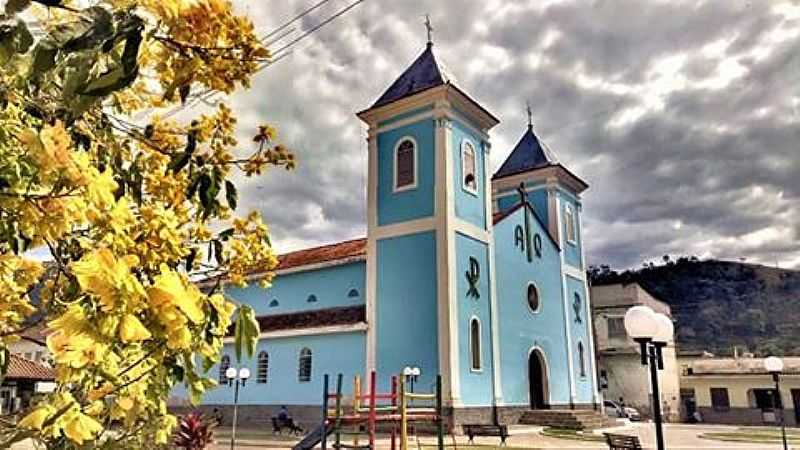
224	364
304	366
263	367
533	297
569	222
274	303
470	180
312	298
405	164
475	343
581	359
353	293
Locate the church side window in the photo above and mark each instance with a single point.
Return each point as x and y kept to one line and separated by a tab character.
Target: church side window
569	220
224	364
263	367
470	181
582	359
475	343
405	167
533	297
616	328
304	366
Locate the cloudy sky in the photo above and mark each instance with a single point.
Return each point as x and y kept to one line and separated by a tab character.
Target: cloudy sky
684	117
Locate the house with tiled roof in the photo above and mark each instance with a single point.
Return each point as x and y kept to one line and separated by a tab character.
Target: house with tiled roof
475	276
23	379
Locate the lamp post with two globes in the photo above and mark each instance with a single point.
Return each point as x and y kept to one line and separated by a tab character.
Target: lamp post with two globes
652	331
774	366
236	377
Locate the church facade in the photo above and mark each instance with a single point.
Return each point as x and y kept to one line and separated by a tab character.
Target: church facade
474	275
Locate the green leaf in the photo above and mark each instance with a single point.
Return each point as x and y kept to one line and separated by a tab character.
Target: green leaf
44	57
16	6
109	82
192	189
218	251
183	91
190	259
76	73
226	234
132	30
5	356
179	162
230	194
96	27
246	332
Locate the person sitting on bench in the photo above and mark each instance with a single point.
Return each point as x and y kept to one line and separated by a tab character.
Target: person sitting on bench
284	420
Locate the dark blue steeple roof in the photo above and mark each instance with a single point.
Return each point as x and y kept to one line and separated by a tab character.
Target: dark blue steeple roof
424	73
530	153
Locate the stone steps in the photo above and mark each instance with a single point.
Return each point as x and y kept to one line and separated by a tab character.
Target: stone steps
572	419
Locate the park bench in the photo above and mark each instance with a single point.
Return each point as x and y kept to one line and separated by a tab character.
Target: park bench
500	431
622	442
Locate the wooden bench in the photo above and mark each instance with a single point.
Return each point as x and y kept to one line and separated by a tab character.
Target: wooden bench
622	442
500	431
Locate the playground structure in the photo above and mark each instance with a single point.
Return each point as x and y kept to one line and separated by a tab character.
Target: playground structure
359	415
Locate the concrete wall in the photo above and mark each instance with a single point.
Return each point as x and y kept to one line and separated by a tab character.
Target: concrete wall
470	206
406	309
619	357
332	354
476	385
290	293
742	409
416	203
522	329
629	380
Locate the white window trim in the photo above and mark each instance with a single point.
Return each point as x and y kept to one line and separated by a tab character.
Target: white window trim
472	191
539	293
568	211
475	319
408	187
311	364
266	368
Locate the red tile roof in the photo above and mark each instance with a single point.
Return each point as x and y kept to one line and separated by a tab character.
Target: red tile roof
331	252
20	368
344	315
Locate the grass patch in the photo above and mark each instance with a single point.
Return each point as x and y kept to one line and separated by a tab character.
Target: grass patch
754	435
566	433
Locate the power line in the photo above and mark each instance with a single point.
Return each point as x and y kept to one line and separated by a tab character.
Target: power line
295	19
206	97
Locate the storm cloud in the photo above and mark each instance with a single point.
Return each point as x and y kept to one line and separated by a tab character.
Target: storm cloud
684	117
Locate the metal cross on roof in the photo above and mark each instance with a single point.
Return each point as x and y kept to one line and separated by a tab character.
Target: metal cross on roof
429	27
530	114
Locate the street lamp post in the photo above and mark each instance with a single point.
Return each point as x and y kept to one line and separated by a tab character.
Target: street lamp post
652	331
235	378
411	374
774	366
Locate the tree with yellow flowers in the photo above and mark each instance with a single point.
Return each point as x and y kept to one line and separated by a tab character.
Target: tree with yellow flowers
130	205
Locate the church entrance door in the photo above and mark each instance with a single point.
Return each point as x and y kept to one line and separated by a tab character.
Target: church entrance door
537	379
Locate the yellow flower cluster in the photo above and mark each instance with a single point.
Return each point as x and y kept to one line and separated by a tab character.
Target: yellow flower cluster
17	275
63	415
127	212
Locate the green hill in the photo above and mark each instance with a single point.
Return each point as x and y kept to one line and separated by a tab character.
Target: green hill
721	304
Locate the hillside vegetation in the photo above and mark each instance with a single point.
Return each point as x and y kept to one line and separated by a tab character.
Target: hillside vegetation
721	304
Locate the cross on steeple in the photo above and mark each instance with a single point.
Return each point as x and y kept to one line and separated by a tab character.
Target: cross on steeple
429	27
530	114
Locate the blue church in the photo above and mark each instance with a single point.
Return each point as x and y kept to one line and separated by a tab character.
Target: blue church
476	276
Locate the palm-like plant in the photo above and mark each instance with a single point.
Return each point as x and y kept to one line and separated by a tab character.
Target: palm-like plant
194	432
